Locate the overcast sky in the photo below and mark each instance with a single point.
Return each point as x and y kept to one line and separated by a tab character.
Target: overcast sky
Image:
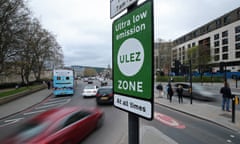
83	28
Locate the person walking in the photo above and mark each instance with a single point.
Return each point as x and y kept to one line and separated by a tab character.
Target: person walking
170	91
160	89
180	93
49	84
226	96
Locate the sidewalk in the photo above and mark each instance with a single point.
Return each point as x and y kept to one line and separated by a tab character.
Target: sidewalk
203	111
24	102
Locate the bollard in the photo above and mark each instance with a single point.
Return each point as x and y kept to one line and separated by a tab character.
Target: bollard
233	109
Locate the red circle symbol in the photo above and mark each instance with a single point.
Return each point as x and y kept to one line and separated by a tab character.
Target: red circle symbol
167	120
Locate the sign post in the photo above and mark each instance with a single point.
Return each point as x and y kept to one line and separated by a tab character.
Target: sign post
133	61
133	38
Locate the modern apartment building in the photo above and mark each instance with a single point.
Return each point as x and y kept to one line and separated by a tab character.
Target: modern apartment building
219	39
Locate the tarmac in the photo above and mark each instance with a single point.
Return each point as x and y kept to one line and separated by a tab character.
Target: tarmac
201	110
23	103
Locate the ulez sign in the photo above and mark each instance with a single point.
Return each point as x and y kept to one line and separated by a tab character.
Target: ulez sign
133	61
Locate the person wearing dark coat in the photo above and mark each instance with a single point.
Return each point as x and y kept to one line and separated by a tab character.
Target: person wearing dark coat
160	88
170	92
180	93
226	96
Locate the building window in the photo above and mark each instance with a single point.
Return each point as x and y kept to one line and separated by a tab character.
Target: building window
224	41
237	54
237	38
216	43
226	19
238	13
225	49
216	58
193	44
225	56
216	50
218	23
237	29
225	34
237	46
216	36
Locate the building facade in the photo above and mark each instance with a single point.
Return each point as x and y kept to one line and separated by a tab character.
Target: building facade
219	39
162	57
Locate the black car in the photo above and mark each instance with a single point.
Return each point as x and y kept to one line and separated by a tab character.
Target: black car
104	95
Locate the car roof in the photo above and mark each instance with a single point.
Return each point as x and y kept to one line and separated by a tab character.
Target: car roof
89	86
106	87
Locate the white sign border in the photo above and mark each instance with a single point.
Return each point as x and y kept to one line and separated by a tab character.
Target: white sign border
144	107
123	4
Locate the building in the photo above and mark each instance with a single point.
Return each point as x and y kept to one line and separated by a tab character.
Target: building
162	57
219	39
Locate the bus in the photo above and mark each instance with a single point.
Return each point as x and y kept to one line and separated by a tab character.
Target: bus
63	82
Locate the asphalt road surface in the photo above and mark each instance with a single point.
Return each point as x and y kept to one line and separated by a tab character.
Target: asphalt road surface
171	125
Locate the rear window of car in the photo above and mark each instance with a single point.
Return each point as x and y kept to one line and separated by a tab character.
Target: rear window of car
90	87
105	91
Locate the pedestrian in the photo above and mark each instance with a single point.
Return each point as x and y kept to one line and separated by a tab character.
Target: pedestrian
48	84
226	96
160	89
170	92
180	93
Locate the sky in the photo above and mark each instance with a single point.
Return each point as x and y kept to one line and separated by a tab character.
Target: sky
83	28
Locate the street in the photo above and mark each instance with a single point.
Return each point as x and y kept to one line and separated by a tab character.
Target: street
168	125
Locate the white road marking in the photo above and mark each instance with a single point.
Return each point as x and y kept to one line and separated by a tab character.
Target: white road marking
33	112
46	106
11	121
57	101
54	104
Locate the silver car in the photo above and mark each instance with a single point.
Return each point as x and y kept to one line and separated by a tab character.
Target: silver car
198	91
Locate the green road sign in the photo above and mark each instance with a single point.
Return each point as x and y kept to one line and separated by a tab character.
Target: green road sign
133	60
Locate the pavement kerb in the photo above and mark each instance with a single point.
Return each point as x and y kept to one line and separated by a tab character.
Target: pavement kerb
19	95
30	106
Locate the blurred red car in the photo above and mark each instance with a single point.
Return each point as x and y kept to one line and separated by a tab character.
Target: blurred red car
58	126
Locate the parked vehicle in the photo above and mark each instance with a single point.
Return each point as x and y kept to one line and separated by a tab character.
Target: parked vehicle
198	91
58	126
104	95
90	91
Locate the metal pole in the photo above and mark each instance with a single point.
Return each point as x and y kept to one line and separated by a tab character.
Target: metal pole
133	120
133	129
225	72
233	109
236	81
190	72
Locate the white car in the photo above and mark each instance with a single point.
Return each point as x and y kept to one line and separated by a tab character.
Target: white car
90	91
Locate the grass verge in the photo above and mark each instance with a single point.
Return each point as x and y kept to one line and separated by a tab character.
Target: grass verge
16	91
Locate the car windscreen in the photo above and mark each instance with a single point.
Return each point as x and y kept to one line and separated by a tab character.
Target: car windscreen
105	91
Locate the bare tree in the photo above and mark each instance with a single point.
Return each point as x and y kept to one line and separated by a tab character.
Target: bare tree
13	14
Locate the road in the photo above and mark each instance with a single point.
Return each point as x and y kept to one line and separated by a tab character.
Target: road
188	130
171	125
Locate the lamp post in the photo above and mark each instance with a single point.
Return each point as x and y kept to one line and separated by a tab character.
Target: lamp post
190	73
225	72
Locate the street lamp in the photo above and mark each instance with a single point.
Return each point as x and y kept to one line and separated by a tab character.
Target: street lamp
190	73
